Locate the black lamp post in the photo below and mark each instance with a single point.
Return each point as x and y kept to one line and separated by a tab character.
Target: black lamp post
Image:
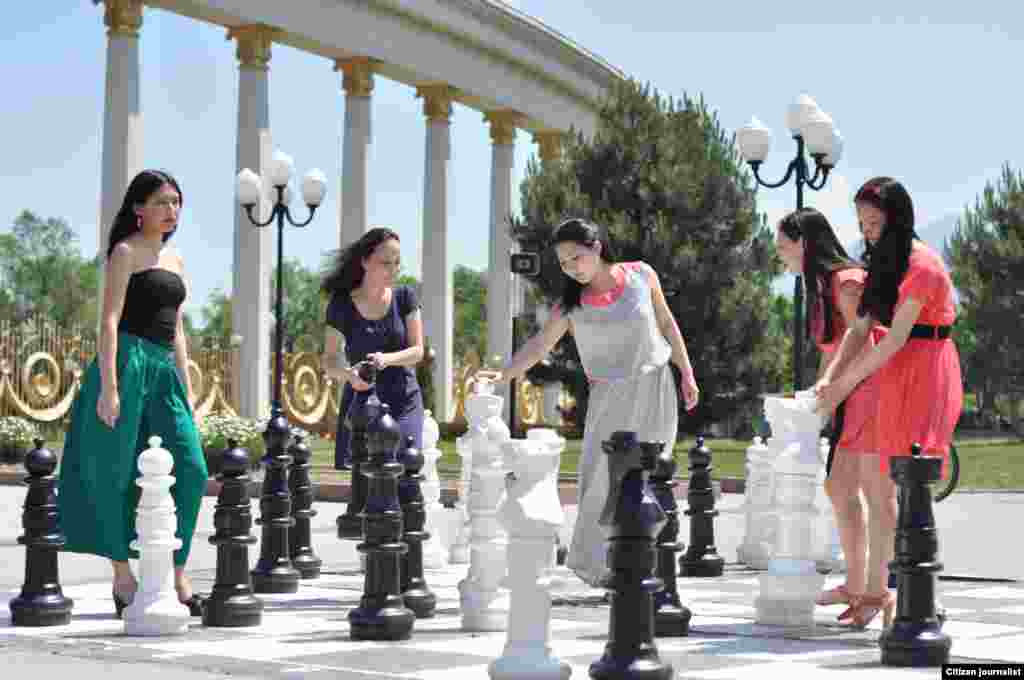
812	129
274	572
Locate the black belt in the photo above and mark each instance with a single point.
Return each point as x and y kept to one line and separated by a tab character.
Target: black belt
925	332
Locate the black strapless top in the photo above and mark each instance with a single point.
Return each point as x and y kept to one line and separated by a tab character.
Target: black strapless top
151	305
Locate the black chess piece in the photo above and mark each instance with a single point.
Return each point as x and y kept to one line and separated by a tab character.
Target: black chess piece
701	558
382	614
301	487
274	572
635	520
671	618
41	602
350	523
915	637
231	603
415	591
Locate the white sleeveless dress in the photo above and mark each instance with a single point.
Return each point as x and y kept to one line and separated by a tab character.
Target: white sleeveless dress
626	359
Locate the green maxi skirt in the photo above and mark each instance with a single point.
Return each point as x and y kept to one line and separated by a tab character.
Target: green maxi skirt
97	494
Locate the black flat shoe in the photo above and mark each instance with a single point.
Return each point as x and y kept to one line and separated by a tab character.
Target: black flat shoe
194	604
119	604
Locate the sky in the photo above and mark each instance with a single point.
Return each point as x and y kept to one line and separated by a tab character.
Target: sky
925	92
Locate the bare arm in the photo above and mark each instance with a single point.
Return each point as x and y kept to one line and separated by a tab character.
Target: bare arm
668	326
537	347
849	299
118	271
333	360
411	355
869	362
181	342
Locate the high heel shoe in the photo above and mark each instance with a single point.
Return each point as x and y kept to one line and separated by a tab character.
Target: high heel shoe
837	595
864	608
119	603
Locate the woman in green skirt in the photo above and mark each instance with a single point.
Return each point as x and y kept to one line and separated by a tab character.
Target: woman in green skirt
137	387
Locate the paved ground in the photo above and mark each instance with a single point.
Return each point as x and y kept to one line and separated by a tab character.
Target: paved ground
306	635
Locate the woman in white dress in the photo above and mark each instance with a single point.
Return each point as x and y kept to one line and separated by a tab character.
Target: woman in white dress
625	335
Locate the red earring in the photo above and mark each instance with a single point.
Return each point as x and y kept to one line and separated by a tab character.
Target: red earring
138	221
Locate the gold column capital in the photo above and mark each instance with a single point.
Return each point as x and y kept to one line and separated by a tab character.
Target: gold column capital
254	42
503	125
550	143
437	100
122	17
358	75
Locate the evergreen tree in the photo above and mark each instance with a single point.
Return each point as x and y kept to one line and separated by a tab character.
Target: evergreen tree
986	253
666	182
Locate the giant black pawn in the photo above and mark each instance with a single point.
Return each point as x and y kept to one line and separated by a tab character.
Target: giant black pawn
415	592
635	520
382	614
274	572
350	523
915	637
41	602
231	603
702	558
671	618
301	487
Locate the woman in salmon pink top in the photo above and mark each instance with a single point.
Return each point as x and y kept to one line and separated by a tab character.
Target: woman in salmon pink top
916	364
834	283
626	338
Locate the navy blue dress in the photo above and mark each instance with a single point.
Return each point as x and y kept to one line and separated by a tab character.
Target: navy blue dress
396	385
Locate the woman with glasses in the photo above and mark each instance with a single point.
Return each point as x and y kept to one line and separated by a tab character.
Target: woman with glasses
916	364
371	319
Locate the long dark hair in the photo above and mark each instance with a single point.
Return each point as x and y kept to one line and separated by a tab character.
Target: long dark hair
888	258
585	234
347	272
823	256
145	184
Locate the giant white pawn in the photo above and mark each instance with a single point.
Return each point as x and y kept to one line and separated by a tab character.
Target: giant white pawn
531	514
759	512
459	551
483	600
156	609
433	553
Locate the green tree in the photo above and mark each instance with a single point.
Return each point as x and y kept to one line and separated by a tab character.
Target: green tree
470	293
304	306
986	254
43	271
665	180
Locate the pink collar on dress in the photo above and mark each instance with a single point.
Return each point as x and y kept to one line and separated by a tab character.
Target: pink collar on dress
609	296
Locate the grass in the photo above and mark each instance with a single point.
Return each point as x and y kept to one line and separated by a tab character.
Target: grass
984	463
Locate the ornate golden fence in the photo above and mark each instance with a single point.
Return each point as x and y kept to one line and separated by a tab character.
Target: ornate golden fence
42	366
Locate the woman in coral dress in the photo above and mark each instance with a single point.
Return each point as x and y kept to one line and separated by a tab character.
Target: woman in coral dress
834	283
917	365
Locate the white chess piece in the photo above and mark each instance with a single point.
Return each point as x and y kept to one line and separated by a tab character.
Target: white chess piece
459	551
433	551
156	609
484	603
759	512
531	514
792	581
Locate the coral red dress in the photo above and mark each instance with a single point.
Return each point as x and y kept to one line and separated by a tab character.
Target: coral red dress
921	390
859	435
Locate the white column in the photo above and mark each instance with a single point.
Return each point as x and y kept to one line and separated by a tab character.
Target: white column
122	113
358	85
437	283
499	276
250	301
